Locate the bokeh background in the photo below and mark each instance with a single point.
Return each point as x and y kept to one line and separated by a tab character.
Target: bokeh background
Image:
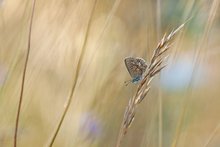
182	108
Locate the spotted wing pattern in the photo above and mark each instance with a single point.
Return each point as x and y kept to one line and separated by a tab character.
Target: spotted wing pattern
135	66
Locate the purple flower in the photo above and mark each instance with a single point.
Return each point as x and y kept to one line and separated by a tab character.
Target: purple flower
90	126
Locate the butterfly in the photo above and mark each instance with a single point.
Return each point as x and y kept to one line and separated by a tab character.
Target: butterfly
136	68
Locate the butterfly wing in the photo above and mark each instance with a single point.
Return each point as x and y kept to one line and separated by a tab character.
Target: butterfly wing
135	66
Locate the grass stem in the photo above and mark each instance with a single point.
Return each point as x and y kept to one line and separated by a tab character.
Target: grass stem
75	79
24	75
198	58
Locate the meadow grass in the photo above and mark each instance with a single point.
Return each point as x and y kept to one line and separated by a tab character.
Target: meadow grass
64	82
24	76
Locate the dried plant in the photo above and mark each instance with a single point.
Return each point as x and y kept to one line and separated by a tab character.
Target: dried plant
24	75
156	65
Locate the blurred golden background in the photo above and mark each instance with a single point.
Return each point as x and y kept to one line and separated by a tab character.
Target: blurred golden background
182	108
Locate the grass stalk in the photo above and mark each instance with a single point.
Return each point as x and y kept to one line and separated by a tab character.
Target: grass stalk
143	88
24	75
160	104
99	40
75	79
201	47
160	118
211	137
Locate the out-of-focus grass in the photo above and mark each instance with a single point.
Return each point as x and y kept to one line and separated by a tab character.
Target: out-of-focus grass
97	109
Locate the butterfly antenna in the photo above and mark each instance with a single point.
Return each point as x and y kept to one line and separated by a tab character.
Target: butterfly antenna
127	82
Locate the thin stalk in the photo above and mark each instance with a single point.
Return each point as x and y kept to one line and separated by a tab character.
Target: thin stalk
160	117
201	47
75	79
211	137
143	87
160	113
158	20
98	43
24	75
120	136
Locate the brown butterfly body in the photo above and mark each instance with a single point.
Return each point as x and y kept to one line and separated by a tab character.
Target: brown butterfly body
136	67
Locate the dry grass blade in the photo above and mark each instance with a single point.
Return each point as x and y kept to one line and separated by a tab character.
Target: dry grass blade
164	50
156	65
142	96
157	71
197	59
70	98
129	117
144	85
213	134
103	31
24	75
